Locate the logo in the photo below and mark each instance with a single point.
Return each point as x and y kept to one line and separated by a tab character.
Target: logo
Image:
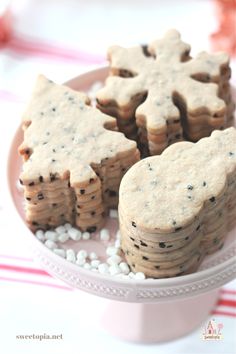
213	331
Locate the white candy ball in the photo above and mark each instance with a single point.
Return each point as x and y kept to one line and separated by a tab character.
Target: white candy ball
67	226
70	255
51	235
103	268
92	256
63	237
60	252
95	263
82	254
50	244
40	235
115	259
86	235
114	269
124	268
74	234
104	235
139	276
131	275
113	213
60	229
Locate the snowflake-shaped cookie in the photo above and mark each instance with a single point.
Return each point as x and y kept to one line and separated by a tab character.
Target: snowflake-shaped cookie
167	90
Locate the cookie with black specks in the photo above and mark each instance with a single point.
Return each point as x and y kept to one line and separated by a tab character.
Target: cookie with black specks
156	246
187	267
145	262
74	159
188	189
162	88
156	255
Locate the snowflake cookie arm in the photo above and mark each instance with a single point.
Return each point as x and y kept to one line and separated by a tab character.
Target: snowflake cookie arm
120	90
200	97
207	67
158	110
126	62
170	49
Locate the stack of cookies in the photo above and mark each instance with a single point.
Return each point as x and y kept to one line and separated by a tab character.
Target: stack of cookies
161	255
166	94
74	159
175	208
201	122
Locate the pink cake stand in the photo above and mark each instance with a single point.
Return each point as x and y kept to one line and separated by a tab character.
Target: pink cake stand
142	311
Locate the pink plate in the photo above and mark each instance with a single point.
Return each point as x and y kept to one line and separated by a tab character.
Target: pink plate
142	307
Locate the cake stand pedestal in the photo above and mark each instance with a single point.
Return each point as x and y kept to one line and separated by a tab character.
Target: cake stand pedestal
151	310
158	321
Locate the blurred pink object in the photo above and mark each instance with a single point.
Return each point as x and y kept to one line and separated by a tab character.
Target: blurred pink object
225	37
5	22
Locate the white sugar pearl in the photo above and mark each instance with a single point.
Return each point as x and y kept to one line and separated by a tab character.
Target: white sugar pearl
104	235
113	213
111	251
118	235
95	263
82	254
60	252
51	235
67	226
81	261
131	275
60	229
63	237
87	266
139	276
117	244
114	269
115	259
92	256
86	235
40	235
103	268
70	255
50	244
124	268
74	234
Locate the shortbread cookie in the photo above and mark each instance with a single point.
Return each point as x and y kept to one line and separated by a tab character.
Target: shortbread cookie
163	88
186	267
74	159
165	255
186	194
